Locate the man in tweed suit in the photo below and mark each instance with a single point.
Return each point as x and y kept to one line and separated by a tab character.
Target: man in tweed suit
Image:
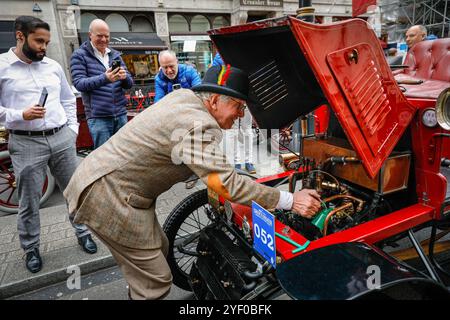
114	189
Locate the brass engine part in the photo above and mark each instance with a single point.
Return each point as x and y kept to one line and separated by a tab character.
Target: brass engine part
332	213
394	175
443	109
287	159
348	197
346	209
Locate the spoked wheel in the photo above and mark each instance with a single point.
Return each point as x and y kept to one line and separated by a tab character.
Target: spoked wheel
182	227
9	200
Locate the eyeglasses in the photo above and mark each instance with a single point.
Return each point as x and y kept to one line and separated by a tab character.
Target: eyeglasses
242	106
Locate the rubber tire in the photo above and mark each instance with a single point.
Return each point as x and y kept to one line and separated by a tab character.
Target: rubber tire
47	193
171	227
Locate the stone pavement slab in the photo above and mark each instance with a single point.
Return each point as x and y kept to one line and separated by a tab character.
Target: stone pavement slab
59	247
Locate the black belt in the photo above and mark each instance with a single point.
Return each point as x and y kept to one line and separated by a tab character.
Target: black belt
37	133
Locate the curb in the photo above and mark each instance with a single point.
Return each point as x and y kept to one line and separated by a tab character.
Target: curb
50	278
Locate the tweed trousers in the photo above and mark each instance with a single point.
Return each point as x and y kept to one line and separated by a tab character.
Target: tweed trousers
145	270
30	157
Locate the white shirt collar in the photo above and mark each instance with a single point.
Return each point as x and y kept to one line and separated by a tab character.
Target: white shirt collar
13	58
108	50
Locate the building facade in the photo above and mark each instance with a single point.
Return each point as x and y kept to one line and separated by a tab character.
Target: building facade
141	28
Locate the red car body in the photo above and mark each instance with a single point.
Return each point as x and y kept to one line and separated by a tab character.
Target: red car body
349	66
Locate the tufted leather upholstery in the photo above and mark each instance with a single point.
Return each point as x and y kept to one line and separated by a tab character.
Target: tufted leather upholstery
430	60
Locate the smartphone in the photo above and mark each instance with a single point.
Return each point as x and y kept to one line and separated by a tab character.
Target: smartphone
115	64
176	86
43	98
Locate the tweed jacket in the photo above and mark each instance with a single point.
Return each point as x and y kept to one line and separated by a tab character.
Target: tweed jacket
115	187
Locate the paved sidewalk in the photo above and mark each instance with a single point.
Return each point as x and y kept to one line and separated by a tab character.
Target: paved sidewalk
59	247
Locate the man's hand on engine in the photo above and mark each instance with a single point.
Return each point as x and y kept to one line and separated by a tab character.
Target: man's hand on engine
306	203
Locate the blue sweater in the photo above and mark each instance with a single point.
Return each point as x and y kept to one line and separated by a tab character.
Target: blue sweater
217	61
101	98
187	77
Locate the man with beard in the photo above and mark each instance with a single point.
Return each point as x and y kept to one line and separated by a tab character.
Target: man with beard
39	135
173	74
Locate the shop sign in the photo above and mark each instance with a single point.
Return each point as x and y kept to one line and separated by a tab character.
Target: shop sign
262	3
123	41
189	38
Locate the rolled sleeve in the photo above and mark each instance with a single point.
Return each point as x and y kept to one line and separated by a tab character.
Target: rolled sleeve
286	201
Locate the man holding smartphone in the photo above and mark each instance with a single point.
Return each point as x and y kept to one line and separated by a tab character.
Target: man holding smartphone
43	129
101	76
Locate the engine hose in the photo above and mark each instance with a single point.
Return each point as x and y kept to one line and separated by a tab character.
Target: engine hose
249	287
253	274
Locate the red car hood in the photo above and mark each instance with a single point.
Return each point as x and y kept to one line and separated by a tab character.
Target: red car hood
295	66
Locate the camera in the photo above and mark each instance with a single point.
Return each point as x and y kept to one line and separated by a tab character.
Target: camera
176	86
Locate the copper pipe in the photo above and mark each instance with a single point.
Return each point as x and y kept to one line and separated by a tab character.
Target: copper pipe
304	126
286	158
332	213
343	196
291	187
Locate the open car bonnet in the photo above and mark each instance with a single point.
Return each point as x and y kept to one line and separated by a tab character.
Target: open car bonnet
295	67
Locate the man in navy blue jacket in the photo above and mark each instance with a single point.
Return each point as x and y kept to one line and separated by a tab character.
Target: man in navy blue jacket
173	74
102	88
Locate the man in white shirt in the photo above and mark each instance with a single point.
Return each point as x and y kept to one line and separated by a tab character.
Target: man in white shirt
39	135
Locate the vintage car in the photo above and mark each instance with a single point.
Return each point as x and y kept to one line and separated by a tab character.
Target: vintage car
380	166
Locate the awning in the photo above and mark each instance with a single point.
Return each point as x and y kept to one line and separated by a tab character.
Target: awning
132	40
7	40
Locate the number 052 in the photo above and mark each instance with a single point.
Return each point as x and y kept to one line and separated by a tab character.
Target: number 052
265	238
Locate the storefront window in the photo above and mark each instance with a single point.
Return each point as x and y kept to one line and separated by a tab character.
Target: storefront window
117	23
178	23
201	58
143	66
200	24
220	22
86	19
141	24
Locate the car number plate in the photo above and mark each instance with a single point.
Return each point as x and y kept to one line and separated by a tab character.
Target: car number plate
264	233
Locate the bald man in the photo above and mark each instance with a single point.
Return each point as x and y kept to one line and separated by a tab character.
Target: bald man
173	75
415	34
102	87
